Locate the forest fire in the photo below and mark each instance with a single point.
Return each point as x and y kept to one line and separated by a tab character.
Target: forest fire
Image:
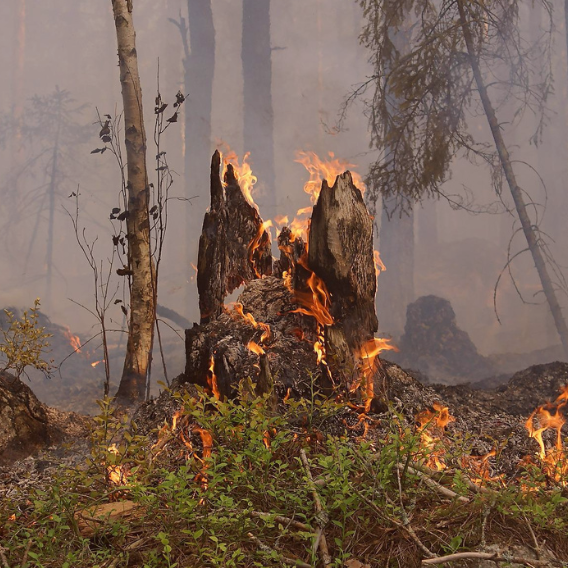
550	416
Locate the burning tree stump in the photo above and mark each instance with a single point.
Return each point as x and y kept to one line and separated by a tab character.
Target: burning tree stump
314	321
341	255
234	246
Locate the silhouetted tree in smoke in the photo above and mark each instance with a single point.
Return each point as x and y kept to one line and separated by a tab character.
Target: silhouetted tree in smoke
451	69
48	133
198	38
257	74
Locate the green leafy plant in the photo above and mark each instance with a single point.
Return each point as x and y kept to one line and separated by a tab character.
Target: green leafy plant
23	342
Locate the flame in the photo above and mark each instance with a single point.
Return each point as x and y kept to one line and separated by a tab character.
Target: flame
379	265
116	474
266	331
255	348
193	277
243	173
95	363
281	220
479	467
431	425
74	340
255	244
317	301
212	379
368	353
550	416
327	169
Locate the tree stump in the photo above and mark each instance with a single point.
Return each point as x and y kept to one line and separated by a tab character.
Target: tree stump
313	322
340	252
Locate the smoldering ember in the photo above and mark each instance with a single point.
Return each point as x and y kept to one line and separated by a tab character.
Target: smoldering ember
266	357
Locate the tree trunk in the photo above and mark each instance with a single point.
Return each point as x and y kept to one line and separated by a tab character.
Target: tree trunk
526	224
199	68
258	114
51	220
396	284
143	278
18	93
396	240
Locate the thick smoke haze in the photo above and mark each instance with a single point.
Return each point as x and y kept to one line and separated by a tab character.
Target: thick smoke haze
316	62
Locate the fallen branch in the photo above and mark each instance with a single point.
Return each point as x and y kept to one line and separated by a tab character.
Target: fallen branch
435	485
493	556
281	558
283	520
320	540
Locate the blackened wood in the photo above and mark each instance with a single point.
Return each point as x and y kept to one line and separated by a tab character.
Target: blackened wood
234	247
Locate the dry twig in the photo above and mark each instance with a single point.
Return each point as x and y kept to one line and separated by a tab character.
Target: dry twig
435	485
320	539
283	559
493	556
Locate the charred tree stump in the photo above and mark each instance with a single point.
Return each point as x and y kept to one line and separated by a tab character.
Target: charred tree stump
314	321
340	252
234	247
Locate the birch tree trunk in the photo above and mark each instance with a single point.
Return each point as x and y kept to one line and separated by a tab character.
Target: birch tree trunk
141	270
526	224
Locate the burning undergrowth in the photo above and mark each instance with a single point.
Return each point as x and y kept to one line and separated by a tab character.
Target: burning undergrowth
287	441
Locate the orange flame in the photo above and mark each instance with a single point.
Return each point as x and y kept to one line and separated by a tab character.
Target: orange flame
74	340
368	353
325	169
95	363
243	173
316	302
255	348
379	265
431	425
212	379
116	474
255	244
550	416
266	331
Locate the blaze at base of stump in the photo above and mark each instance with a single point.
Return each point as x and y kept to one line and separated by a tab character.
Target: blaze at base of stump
306	319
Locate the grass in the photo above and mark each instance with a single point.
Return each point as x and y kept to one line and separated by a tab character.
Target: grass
228	488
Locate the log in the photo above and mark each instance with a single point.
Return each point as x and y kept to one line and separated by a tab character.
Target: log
234	247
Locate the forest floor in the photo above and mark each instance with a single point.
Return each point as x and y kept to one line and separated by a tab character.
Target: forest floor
447	475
